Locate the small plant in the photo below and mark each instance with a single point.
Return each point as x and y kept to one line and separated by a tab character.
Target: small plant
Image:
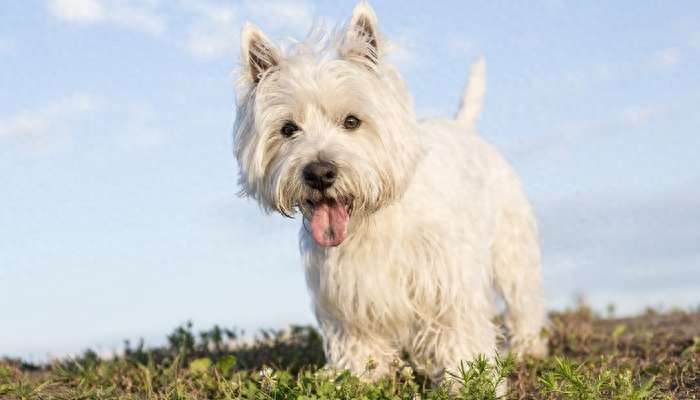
580	383
181	342
481	378
647	357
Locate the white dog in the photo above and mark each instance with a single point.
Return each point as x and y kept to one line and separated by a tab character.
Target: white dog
407	226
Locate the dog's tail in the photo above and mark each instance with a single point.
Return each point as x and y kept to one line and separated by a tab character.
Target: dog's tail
473	97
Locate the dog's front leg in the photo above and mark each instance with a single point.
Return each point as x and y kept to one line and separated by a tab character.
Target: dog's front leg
366	354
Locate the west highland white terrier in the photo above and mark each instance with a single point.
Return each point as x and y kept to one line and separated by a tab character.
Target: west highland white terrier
408	226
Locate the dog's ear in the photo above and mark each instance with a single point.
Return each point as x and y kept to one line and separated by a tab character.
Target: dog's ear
259	53
362	38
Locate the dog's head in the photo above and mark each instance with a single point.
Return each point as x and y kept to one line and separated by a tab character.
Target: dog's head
324	129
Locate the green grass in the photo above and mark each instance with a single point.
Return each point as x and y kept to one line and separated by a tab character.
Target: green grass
654	356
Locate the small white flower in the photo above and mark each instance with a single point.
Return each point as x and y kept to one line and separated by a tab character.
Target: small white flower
267	372
268	379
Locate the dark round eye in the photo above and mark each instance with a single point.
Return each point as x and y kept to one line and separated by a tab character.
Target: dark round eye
289	129
351	123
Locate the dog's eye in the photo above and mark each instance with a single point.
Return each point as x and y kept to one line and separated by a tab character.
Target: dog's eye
288	129
351	123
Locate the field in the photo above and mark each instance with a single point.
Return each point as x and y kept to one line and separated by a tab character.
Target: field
652	356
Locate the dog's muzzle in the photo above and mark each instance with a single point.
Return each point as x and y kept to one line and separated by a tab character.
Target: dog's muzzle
329	216
320	175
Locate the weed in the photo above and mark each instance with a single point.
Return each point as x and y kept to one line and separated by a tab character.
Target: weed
655	356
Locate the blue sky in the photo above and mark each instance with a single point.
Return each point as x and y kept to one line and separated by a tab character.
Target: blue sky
119	215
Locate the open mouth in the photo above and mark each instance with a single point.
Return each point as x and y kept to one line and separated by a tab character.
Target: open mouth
329	220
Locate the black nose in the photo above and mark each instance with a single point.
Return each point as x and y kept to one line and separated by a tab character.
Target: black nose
320	174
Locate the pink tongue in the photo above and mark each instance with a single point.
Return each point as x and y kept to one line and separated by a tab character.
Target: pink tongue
329	223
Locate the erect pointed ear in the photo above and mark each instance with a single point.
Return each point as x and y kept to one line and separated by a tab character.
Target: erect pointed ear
259	53
362	37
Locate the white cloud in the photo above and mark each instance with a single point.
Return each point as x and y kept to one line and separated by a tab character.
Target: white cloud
215	31
78	11
211	30
667	58
402	50
39	122
134	14
139	18
140	131
36	128
277	15
639	116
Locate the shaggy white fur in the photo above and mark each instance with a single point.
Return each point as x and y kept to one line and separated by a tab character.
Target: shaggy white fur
407	226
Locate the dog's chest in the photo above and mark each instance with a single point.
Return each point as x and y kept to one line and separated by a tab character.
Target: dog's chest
387	278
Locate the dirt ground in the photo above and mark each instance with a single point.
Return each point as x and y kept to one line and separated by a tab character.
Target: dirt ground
665	347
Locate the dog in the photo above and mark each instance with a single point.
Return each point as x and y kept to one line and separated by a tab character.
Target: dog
408	226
